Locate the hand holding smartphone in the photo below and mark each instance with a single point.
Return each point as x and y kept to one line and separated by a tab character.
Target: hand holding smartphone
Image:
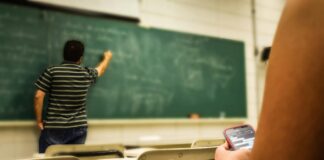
240	137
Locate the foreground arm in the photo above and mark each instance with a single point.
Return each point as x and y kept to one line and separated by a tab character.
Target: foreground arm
291	123
291	126
38	107
102	66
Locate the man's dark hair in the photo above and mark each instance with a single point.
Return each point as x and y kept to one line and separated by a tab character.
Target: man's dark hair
73	50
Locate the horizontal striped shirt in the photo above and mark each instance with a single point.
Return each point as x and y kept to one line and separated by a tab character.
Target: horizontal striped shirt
67	86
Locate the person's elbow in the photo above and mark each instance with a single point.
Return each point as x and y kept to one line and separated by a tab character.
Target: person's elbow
39	94
100	71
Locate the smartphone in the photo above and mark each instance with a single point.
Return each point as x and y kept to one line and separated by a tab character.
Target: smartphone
240	137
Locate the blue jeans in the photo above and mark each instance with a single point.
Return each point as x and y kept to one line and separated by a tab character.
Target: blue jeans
61	136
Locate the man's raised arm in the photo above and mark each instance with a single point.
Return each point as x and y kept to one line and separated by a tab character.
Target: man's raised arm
102	66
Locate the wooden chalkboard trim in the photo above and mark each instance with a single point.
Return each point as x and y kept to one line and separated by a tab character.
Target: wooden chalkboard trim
97	122
165	121
71	10
19	123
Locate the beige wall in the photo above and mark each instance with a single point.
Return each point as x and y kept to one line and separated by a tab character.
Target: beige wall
267	17
231	19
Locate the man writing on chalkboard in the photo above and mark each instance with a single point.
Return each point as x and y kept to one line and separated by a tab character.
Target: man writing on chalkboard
67	85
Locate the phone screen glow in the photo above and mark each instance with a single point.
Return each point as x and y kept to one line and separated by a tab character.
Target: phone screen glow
242	137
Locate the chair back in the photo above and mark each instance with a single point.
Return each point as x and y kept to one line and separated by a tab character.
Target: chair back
86	152
207	143
58	158
206	153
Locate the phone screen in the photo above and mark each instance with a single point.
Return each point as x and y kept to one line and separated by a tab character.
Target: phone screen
240	137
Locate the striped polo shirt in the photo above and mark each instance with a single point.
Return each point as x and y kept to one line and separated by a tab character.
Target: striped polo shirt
67	87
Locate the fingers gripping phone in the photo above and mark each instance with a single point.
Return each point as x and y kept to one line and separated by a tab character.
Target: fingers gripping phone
240	137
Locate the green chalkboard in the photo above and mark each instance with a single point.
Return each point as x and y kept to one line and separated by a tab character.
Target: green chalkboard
154	73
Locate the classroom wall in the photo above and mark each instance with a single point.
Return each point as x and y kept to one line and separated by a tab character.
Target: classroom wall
127	8
267	17
231	19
